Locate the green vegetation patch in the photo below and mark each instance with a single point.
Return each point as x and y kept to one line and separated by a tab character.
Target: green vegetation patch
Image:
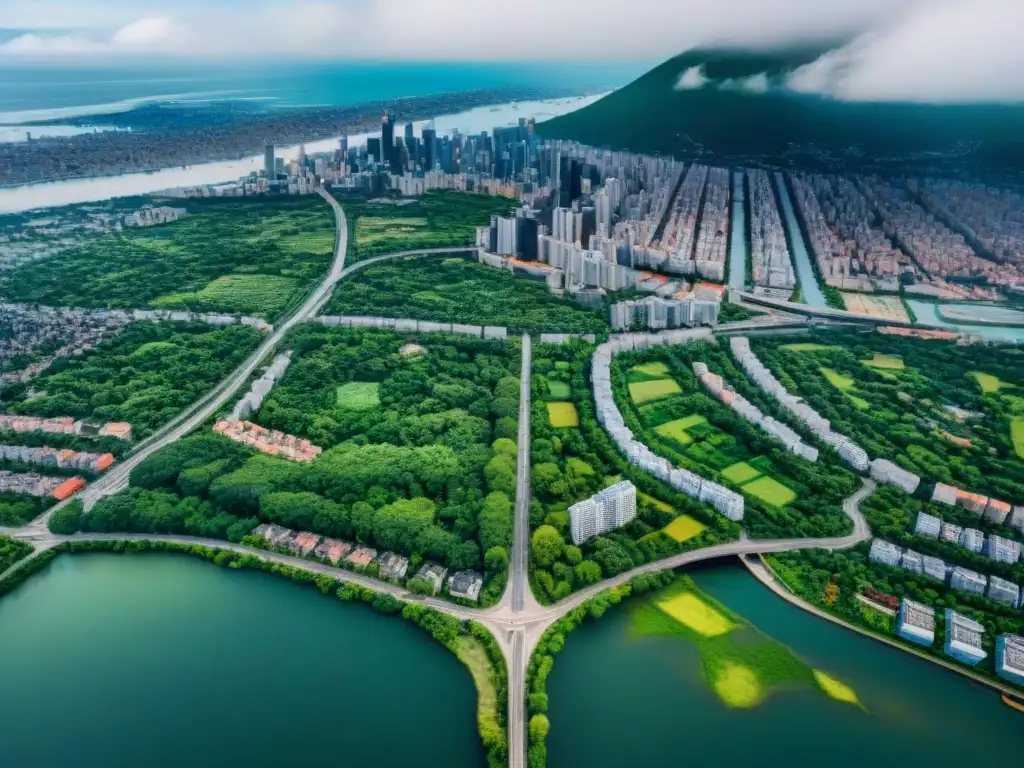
649	371
676	430
646	391
684	528
11	551
770	491
740	473
563	415
693	612
838	380
1017	435
885	362
989	383
810	347
359	395
265	295
559	390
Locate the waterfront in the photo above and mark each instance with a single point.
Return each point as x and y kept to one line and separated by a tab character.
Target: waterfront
738	248
807	280
620	700
56	193
160	660
931	313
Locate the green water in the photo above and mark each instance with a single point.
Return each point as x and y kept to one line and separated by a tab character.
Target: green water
620	701
160	660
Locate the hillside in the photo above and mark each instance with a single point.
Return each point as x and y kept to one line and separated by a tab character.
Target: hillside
729	123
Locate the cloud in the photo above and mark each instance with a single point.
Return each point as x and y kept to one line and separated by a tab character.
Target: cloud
902	49
691	79
754	84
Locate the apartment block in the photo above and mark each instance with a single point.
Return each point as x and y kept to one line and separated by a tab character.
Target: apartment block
1002	550
884	471
951	533
912	561
1010	658
885	553
271	442
963	638
1003	591
927	525
605	511
916	623
972	539
965	580
934	567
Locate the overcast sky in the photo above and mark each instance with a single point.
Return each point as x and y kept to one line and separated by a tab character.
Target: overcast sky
916	49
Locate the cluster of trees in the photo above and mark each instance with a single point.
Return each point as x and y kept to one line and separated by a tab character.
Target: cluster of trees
459	290
285	236
820	487
16	509
71	442
553	640
451	219
145	375
905	417
11	551
809	572
572	464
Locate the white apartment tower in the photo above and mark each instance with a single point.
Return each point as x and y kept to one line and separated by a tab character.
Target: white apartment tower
611	508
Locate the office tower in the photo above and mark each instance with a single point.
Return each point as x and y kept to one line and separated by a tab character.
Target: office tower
343	144
526	238
409	138
373	149
429	148
268	162
611	508
302	155
387	139
564	181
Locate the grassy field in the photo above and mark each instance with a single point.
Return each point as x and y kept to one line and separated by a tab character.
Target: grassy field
651	371
693	612
810	347
885	362
676	430
989	383
770	491
265	295
684	528
737	685
471	653
837	380
646	391
559	390
1017	435
740	473
358	395
563	415
371	229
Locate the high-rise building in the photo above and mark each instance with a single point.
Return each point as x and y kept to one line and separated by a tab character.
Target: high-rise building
916	623
387	139
1010	658
884	552
429	148
611	508
963	638
373	149
343	144
268	162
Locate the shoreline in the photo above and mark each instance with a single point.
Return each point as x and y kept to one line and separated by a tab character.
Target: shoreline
761	571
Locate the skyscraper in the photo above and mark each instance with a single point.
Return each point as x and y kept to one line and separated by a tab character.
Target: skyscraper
268	162
429	147
343	144
387	139
611	508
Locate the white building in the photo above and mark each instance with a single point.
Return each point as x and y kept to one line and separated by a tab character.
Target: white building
963	638
945	494
611	508
951	533
885	553
966	580
934	567
1010	658
884	471
972	539
1003	591
912	561
927	525
916	622
1002	550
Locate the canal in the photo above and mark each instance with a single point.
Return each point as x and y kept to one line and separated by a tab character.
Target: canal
161	660
621	700
738	238
801	258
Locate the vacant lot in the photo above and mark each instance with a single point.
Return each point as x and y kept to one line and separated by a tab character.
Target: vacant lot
684	528
563	415
645	391
692	612
740	473
770	491
676	430
358	395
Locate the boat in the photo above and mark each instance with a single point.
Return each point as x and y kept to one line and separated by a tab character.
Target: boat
1013	702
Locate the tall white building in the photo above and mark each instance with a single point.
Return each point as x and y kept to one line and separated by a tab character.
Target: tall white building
927	525
611	508
966	580
1002	550
884	552
917	622
963	638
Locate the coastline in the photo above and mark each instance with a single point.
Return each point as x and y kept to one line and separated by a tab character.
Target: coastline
761	571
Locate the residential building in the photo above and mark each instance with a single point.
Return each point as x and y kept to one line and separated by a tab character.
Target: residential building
911	561
916	623
392	566
934	567
997	511
360	557
966	580
465	584
433	574
611	508
1002	550
1016	519
884	471
1010	658
944	494
972	539
963	638
304	543
927	525
951	533
269	441
1003	591
333	550
885	553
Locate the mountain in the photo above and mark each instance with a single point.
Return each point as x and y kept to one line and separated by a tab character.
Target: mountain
731	107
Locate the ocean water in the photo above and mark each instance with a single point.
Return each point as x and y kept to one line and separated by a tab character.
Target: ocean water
30	94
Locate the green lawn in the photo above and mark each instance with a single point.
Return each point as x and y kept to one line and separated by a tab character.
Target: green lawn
645	391
838	380
810	347
649	371
563	415
684	528
770	491
740	473
1017	434
989	383
263	295
359	395
885	362
559	390
676	430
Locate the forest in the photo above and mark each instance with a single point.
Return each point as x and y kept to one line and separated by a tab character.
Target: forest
145	375
459	290
252	255
914	402
435	220
570	464
833	579
11	551
428	471
785	495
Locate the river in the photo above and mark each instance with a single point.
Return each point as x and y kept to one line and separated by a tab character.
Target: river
617	700
160	660
56	193
801	258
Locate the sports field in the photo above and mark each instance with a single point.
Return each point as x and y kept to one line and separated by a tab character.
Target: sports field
559	390
646	391
740	473
692	612
676	430
359	395
563	415
684	528
770	491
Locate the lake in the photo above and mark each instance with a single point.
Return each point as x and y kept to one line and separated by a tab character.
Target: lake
161	660
618	700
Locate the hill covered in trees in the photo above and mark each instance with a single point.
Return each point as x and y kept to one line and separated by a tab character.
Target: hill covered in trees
733	107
